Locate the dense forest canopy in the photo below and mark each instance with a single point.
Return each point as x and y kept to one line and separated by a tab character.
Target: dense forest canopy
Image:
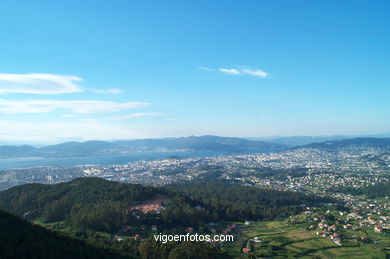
88	205
374	191
21	239
235	202
86	202
93	203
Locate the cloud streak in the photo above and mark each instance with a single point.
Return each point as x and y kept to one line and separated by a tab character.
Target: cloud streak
136	115
205	68
238	72
255	72
108	91
39	83
75	106
231	71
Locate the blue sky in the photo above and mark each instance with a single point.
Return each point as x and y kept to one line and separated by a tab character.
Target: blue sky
80	70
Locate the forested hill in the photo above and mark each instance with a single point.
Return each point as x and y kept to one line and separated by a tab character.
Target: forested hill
21	239
211	144
94	203
381	143
85	202
41	198
247	202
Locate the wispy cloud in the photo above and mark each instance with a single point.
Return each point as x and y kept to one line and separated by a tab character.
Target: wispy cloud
39	83
136	115
108	91
236	71
205	68
231	71
255	72
76	106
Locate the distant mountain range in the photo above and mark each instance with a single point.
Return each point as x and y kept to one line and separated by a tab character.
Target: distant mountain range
212	144
295	141
191	145
381	143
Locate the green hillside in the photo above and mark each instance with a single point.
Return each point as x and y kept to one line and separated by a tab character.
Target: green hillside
21	239
83	203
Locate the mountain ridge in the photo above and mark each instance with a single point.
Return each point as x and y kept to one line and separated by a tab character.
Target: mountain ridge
191	144
225	145
383	143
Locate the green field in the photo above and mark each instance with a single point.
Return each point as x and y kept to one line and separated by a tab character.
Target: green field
280	240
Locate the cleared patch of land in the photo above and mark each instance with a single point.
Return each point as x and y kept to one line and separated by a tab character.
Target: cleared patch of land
277	239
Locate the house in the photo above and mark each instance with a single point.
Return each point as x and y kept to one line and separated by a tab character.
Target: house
347	226
257	239
119	238
246	250
337	241
232	226
335	235
333	227
189	229
378	229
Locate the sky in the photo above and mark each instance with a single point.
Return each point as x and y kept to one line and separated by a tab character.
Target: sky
107	70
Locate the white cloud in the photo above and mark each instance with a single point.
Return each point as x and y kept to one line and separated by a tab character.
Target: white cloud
136	115
108	91
205	68
39	83
231	71
235	71
76	106
256	72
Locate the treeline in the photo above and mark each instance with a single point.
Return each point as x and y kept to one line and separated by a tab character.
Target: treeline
215	173
377	190
236	202
373	191
100	205
86	203
150	249
20	239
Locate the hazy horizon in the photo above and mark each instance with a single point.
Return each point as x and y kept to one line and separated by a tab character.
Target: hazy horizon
262	138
